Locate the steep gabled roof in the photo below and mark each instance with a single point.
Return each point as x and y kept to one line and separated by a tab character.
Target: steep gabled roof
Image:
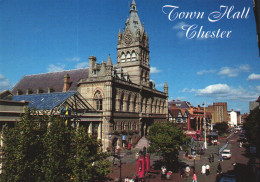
174	112
54	80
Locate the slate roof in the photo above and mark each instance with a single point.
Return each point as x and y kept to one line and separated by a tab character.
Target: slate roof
180	104
54	80
44	101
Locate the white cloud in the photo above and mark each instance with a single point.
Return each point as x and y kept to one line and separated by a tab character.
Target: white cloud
159	85
225	92
258	88
81	65
73	59
4	83
214	89
154	70
181	98
254	76
245	67
188	90
180	34
202	72
233	72
56	68
179	25
227	71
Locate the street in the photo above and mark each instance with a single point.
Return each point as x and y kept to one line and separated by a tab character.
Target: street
239	155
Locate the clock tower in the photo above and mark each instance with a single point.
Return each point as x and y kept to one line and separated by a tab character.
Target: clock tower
133	49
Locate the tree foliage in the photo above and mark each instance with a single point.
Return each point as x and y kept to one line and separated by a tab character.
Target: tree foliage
222	128
42	148
166	139
252	128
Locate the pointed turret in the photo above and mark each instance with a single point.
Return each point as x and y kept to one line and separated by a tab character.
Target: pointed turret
109	61
165	88
133	6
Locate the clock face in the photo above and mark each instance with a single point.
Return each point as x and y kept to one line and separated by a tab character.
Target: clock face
128	39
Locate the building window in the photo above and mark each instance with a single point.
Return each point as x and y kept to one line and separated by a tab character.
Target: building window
123	57
128	103
134	106
128	57
122	102
133	56
98	100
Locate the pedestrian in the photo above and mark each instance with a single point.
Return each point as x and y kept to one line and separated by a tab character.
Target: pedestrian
203	169
194	178
219	171
240	144
212	157
207	169
163	173
209	158
181	172
220	157
169	175
187	170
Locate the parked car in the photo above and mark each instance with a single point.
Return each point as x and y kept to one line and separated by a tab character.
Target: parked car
228	178
226	154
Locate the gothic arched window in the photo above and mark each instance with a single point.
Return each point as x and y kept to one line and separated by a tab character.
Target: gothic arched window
128	103
128	57
134	106
121	102
133	56
123	57
98	100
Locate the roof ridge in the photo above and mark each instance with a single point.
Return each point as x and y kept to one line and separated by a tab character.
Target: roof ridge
55	72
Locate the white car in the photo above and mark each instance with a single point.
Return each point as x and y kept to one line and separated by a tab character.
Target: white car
226	154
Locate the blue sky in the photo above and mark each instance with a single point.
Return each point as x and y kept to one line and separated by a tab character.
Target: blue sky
39	36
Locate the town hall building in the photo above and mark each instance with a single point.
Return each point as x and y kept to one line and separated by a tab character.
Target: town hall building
116	103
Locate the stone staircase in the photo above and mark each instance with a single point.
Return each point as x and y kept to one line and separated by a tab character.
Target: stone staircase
143	142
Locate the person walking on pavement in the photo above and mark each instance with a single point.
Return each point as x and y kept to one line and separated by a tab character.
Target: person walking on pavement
194	178
219	171
207	169
187	170
203	169
181	172
209	158
212	157
163	174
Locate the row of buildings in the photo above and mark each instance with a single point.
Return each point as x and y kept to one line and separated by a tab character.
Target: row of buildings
191	117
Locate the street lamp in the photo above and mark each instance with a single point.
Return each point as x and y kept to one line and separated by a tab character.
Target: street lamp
205	143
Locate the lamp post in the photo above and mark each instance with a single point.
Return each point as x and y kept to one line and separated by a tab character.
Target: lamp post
205	128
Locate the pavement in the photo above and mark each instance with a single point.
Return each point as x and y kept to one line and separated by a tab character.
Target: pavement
239	155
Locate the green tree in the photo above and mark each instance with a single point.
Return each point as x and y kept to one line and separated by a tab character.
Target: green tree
42	148
24	149
252	128
166	139
57	146
89	162
221	127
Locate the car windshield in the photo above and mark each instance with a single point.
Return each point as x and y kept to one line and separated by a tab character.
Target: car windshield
225	152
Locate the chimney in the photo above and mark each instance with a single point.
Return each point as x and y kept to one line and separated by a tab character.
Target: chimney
66	85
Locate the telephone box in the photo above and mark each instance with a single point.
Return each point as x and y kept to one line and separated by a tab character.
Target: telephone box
140	168
147	163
